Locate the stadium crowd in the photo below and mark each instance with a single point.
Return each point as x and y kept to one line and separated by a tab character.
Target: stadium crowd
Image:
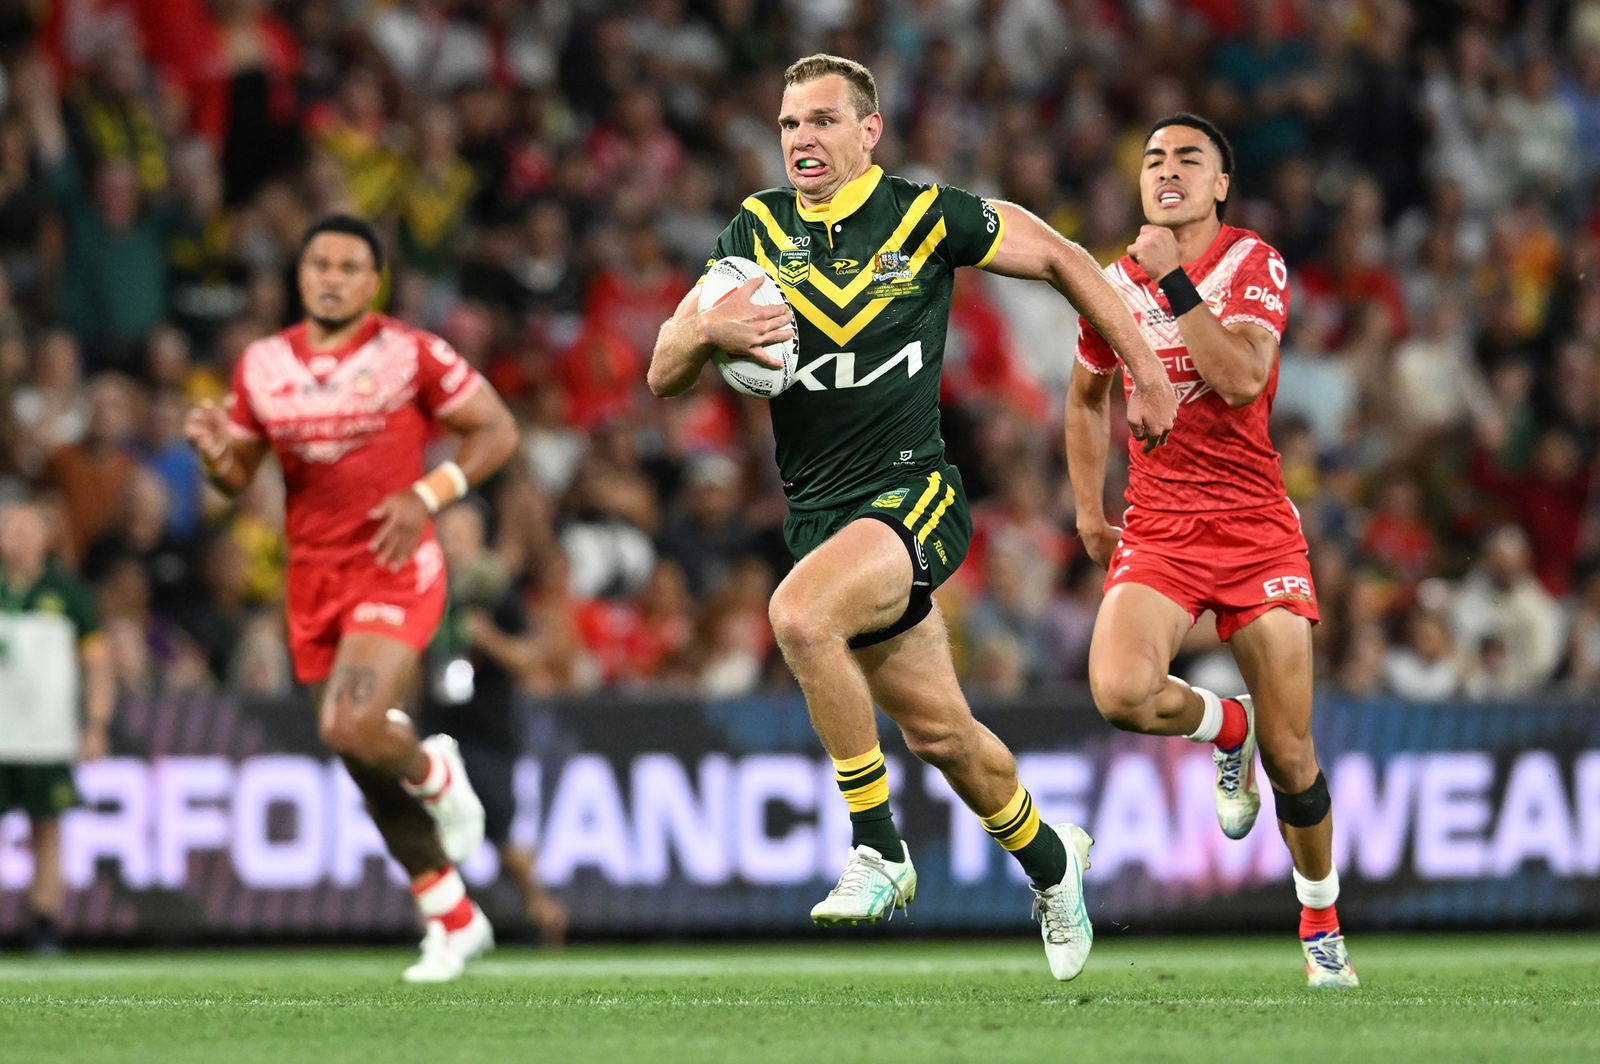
550	175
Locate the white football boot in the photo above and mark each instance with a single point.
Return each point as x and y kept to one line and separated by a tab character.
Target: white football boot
1328	961
456	810
1063	918
869	889
1238	793
445	953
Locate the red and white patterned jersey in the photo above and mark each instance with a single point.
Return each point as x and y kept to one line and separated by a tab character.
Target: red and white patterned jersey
1218	457
348	424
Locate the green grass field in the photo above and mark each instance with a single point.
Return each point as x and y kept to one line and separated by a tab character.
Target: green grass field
1437	998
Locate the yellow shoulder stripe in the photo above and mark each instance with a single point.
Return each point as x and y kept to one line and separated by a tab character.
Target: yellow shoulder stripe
842	295
843	334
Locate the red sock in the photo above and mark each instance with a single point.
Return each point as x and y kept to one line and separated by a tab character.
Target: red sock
459	917
443	897
1234	725
1318	921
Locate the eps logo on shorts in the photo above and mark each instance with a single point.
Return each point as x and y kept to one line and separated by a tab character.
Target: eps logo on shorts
891	500
379	613
1290	587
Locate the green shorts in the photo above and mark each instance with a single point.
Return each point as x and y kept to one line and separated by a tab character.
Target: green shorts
928	510
38	790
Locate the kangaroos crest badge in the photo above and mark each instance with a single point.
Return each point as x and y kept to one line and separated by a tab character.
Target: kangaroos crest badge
793	266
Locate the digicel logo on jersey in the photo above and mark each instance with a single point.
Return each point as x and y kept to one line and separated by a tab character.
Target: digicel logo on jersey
844	368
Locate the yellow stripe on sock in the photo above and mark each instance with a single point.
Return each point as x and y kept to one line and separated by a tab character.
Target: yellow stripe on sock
1017	824
851	766
860	797
864	798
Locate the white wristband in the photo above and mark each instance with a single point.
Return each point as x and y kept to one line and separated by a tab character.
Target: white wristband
457	477
425	493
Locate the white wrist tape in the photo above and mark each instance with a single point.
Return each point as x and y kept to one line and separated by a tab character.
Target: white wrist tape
425	493
443	485
457	477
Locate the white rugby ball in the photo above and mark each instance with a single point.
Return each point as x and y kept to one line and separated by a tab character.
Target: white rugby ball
746	374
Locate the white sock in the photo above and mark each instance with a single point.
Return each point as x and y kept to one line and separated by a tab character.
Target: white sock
442	895
1210	721
435	779
1317	893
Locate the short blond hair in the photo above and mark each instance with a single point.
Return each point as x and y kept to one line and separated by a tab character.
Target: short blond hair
863	89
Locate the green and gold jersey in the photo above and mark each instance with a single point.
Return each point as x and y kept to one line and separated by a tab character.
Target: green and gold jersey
869	276
41	628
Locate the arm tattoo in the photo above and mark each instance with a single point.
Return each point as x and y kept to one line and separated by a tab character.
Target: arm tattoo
354	685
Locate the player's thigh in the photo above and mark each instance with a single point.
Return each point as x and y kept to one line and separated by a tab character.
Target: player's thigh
371	673
1274	654
857	580
912	677
1136	634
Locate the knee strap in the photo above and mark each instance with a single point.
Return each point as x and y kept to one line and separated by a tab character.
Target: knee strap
1308	808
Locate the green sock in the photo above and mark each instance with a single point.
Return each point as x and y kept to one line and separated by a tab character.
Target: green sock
1037	847
864	782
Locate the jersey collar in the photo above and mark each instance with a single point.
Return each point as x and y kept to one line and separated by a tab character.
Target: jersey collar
846	201
304	352
1198	268
1226	237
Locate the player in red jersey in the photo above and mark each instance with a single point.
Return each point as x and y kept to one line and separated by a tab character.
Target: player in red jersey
346	400
1208	524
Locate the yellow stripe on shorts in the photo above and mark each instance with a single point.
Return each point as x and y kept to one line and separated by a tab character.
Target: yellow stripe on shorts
922	504
933	518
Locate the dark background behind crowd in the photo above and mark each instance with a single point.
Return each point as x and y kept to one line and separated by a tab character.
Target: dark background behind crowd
550	176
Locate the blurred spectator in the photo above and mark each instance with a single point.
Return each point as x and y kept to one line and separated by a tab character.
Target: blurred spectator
1437	385
115	288
1425	667
614	514
435	189
1541	127
1550	501
51	407
1003	623
1502	599
708	536
140	531
1396	536
93	474
734	637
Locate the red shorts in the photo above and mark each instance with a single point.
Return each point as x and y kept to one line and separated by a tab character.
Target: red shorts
328	597
1238	564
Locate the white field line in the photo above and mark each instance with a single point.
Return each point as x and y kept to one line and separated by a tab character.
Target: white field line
1351	1001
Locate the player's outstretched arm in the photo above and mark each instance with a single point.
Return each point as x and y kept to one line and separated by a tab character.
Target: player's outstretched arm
1236	360
228	459
488	437
690	337
1030	248
1088	418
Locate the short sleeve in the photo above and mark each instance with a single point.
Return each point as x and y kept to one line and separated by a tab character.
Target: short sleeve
1094	354
241	416
972	227
1259	294
445	380
735	239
